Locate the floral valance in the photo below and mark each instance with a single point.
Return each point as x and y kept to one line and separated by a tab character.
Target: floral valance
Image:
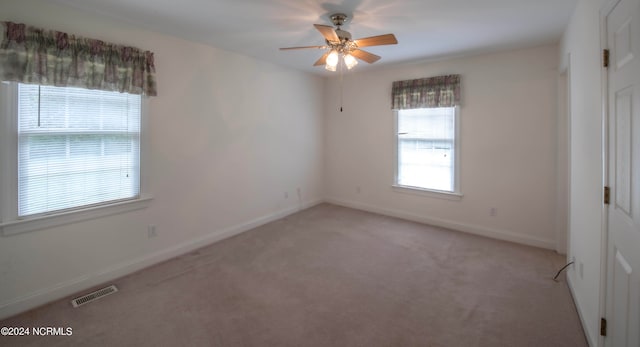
47	57
441	91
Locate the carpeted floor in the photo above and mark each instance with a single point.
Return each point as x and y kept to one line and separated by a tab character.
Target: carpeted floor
330	276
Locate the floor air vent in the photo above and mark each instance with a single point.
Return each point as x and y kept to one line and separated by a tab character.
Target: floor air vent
85	299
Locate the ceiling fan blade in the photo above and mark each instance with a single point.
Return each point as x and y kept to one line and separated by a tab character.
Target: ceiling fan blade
302	47
366	56
388	39
328	32
322	60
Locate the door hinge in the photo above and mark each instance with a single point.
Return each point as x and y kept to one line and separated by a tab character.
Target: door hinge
607	195
603	327
605	57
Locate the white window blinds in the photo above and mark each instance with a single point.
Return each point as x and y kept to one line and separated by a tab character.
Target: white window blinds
426	148
76	148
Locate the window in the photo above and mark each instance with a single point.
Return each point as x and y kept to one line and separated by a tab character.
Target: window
68	149
76	147
427	149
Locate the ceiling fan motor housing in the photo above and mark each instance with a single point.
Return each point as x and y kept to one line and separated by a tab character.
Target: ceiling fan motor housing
338	20
343	35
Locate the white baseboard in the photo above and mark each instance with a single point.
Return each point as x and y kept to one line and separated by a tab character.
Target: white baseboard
70	287
585	325
468	228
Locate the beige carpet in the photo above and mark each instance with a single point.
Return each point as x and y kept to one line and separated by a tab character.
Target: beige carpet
330	276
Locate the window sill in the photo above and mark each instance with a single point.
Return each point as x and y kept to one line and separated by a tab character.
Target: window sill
24	225
438	194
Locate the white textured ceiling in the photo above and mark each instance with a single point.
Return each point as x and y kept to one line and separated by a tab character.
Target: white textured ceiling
425	29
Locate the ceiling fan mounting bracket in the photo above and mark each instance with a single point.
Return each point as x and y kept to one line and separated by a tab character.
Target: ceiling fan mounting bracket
338	19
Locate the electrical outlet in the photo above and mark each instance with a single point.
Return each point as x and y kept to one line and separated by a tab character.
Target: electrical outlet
151	231
493	212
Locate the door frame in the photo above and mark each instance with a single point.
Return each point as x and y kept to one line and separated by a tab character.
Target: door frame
605	10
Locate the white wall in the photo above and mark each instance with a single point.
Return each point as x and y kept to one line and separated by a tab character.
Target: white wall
508	145
581	44
229	135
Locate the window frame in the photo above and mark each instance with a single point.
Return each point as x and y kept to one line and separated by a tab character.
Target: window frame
456	194
10	222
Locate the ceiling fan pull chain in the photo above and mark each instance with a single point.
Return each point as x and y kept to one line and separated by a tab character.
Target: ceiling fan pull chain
341	87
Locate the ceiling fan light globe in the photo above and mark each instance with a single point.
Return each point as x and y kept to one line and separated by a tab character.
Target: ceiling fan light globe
330	67
350	61
332	59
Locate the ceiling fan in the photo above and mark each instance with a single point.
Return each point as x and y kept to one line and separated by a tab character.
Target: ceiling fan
339	44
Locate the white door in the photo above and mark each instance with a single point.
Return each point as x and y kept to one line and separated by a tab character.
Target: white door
623	273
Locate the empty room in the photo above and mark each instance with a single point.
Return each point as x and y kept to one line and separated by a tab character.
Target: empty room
319	173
